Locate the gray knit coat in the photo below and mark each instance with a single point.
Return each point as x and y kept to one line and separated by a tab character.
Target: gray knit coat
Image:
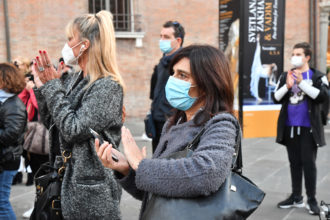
201	174
68	108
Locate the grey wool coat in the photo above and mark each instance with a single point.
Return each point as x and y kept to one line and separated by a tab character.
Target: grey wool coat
201	174
69	108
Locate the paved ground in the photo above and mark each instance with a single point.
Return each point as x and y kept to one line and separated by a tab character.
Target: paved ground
265	162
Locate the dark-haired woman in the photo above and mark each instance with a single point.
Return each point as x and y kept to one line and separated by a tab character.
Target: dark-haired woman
12	126
201	90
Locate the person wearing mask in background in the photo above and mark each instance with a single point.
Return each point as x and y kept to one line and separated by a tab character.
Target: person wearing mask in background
171	40
13	119
70	104
23	64
301	91
200	89
32	159
28	98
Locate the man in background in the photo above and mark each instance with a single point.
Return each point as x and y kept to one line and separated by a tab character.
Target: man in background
302	91
171	40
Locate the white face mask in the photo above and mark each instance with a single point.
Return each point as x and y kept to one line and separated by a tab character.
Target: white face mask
68	56
297	61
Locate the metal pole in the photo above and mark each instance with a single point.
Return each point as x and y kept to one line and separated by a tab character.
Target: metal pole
324	23
5	8
311	31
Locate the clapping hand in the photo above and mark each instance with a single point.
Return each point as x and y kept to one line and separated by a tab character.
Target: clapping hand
289	79
104	153
44	70
297	75
132	152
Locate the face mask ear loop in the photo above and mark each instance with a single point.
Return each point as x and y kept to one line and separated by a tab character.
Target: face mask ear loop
76	44
192	86
80	53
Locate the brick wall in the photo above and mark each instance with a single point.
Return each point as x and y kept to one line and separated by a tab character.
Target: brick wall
36	24
297	26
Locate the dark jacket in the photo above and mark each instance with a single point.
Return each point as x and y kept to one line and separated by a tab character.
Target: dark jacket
160	108
69	109
314	109
13	120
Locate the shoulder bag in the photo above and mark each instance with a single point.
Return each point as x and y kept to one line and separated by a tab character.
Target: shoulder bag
149	126
237	198
36	138
48	180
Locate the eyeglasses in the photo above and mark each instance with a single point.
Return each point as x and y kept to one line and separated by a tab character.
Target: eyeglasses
176	24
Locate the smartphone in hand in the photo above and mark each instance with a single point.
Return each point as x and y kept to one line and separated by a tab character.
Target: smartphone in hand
96	135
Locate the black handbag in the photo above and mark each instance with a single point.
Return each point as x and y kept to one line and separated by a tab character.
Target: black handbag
149	126
237	198
48	181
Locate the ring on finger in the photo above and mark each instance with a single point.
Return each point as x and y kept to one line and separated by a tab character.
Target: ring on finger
41	68
48	65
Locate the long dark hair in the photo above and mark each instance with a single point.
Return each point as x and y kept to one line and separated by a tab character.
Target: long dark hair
210	70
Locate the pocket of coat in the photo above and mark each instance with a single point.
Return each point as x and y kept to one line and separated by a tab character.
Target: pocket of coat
96	201
90	180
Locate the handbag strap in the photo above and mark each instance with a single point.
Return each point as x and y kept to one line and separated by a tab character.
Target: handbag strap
237	145
193	144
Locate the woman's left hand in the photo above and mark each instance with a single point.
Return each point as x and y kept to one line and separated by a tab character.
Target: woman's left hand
44	69
132	152
105	152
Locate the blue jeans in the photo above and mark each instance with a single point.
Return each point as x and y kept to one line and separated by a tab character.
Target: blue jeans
6	179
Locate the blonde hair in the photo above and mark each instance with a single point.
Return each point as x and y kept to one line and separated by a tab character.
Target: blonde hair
23	64
99	30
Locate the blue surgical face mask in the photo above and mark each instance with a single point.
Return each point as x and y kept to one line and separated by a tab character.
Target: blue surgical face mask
165	46
177	94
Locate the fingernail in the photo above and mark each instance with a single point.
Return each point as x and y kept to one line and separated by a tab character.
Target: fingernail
44	51
37	58
62	62
39	51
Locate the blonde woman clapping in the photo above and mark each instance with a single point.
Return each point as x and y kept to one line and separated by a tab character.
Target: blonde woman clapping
70	104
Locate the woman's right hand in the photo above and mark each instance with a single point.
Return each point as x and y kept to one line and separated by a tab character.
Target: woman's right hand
44	69
104	153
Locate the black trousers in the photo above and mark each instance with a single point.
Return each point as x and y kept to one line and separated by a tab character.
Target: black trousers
302	152
159	127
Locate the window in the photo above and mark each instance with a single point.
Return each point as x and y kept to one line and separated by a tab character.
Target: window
122	11
126	23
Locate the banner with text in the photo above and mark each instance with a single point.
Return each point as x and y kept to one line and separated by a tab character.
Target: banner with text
262	43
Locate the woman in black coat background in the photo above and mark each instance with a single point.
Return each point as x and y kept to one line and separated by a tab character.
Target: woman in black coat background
13	119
